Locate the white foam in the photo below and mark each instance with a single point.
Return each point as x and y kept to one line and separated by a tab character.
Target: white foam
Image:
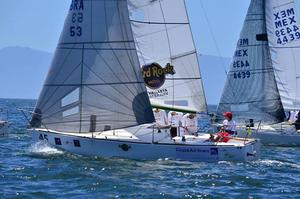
43	148
225	163
279	163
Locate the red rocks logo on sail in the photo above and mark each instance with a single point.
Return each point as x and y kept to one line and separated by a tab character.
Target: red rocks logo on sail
155	75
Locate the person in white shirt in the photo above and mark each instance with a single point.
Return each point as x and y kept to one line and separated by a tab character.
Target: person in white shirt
189	123
293	116
160	117
229	125
174	119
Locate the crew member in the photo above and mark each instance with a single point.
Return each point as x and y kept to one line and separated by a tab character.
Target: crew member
189	124
174	119
297	122
160	117
229	125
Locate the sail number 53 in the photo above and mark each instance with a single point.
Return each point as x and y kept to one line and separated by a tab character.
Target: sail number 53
75	31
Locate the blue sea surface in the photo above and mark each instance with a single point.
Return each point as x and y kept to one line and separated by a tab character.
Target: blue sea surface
36	170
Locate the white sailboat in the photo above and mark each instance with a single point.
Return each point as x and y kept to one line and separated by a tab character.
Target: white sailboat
263	81
94	101
4	125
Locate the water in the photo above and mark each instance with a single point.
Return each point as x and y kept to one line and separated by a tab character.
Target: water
36	170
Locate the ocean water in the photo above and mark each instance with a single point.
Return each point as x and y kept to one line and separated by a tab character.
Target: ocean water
35	170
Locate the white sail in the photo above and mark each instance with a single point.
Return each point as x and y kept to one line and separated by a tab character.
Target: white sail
94	82
284	40
164	42
250	90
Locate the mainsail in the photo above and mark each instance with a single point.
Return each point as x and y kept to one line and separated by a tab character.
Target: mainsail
95	81
251	90
284	40
167	54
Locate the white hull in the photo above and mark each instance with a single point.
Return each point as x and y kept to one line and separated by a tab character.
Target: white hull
283	136
3	128
111	145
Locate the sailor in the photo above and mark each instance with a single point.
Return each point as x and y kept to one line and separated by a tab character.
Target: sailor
293	116
174	119
160	117
297	121
189	124
229	125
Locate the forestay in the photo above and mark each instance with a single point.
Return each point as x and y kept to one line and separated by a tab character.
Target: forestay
94	82
251	90
167	54
284	41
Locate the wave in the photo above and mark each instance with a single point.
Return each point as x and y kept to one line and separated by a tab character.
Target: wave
277	163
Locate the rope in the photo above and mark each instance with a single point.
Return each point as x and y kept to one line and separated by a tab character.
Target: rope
216	44
213	37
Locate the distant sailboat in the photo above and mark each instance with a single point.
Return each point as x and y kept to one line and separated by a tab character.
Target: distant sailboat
263	81
94	101
4	125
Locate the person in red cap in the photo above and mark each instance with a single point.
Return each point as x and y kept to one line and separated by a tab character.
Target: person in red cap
228	129
229	125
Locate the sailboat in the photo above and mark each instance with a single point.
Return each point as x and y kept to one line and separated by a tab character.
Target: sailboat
4	125
95	102
263	81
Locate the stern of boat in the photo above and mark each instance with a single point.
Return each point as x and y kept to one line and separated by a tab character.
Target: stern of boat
252	149
239	149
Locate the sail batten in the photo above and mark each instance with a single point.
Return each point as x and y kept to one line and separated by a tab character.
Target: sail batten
95	75
164	42
160	23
